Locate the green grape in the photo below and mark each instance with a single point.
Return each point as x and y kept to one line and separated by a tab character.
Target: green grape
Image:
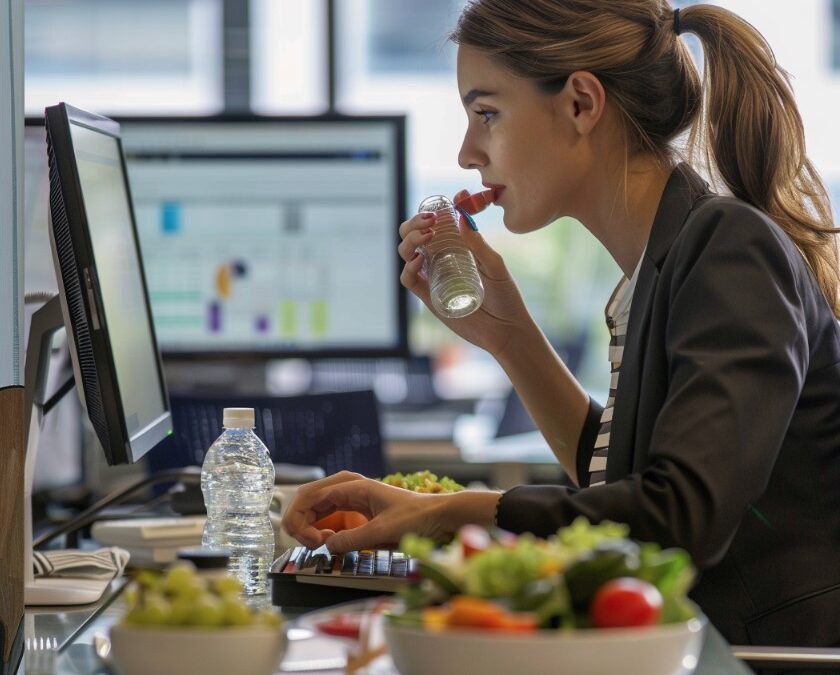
207	611
227	585
155	610
148	579
270	618
236	612
182	610
179	577
192	591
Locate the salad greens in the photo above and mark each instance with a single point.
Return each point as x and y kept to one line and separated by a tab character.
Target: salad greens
552	580
422	481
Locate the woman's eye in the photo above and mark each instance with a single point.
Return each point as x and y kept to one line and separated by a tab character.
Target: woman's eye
486	115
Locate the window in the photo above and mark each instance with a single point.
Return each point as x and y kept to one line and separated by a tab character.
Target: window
289	57
129	57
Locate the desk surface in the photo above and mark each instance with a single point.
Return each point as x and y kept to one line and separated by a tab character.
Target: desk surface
75	630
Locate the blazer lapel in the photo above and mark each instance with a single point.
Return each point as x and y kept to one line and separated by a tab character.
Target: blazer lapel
683	189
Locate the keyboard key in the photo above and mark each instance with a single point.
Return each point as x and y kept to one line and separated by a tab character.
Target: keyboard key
366	563
413	567
292	566
330	564
399	564
350	563
383	563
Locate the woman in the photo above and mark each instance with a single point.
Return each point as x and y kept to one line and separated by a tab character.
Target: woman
722	431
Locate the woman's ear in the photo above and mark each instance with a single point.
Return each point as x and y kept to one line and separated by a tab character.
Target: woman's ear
584	101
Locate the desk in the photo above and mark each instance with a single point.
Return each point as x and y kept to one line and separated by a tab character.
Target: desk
75	630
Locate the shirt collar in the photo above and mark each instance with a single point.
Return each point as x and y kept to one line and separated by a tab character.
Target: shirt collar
683	189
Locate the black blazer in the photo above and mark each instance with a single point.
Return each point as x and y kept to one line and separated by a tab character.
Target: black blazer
725	437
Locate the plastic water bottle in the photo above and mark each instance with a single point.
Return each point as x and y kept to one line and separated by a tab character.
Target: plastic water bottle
454	283
237	480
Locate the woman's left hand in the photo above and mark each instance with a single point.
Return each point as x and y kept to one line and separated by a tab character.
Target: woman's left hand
391	511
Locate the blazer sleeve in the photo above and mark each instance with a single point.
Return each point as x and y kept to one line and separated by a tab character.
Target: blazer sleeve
736	354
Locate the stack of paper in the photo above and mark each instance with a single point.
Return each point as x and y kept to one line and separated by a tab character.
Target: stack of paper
150	541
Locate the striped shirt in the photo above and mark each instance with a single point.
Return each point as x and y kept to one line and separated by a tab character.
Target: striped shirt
617	314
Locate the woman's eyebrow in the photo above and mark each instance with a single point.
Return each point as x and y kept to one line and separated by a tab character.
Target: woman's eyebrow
474	94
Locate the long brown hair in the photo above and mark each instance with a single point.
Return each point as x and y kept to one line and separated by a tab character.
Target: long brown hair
742	120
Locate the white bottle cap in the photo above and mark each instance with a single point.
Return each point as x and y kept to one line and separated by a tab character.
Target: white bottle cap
238	418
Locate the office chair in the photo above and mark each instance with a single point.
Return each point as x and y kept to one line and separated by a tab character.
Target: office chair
334	431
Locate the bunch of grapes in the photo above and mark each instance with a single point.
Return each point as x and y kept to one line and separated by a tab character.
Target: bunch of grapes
180	597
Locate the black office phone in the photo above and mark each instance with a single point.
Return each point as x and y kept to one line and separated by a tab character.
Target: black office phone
310	578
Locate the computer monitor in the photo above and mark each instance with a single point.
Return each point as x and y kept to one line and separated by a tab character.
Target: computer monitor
103	305
103	293
271	237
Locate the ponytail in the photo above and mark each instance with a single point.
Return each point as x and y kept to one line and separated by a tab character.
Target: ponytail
744	115
750	124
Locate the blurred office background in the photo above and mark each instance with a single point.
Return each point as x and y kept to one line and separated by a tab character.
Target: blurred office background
299	57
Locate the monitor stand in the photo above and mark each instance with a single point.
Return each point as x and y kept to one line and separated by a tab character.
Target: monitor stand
50	591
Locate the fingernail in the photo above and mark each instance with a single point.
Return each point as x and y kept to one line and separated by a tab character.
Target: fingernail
469	220
427	214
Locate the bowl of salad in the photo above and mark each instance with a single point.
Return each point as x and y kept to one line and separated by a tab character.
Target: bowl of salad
586	600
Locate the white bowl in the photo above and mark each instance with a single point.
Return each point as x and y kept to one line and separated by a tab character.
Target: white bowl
139	650
658	650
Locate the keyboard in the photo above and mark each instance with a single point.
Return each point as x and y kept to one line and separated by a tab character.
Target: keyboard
307	578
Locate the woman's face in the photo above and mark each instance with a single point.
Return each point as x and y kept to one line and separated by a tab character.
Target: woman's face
518	138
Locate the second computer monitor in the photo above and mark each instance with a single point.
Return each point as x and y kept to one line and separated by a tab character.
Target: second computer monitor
271	236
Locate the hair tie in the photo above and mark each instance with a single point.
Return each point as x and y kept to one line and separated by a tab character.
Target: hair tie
677	27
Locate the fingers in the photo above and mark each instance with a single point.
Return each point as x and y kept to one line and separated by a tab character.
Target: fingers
419	221
311	503
490	263
414	239
412	278
364	536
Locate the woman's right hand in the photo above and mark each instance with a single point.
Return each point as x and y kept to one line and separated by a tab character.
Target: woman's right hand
503	310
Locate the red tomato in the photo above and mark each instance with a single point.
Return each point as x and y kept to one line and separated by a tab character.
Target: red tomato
626	602
341	625
474	539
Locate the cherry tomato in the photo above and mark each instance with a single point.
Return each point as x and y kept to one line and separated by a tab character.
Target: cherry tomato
342	625
474	539
626	602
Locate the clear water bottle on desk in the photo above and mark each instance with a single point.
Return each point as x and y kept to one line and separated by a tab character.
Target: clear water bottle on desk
237	480
454	283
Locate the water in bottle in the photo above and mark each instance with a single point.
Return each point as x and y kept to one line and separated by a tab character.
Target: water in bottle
454	283
237	480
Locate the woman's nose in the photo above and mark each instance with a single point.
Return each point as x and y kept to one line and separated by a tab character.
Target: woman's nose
469	157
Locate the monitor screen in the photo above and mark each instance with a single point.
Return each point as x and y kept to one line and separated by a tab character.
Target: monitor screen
271	236
100	273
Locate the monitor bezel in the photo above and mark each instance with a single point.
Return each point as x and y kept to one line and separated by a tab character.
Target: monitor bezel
122	447
400	347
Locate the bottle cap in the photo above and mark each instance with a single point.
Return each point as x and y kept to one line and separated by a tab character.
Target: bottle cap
238	418
477	202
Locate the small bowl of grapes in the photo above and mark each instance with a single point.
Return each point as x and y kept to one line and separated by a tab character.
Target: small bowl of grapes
180	623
